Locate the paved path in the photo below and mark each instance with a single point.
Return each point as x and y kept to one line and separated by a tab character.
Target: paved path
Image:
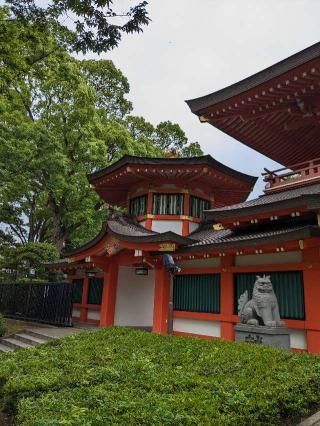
28	335
311	421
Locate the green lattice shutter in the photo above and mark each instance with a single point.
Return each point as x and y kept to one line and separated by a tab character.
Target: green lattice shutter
138	206
197	206
288	287
95	291
167	204
77	287
197	293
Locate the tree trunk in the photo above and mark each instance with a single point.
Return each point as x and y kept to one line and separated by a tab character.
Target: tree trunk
31	236
60	234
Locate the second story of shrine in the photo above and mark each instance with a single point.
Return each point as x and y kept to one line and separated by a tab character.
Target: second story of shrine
276	112
170	194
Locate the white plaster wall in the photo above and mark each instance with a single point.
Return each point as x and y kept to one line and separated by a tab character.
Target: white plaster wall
193	226
76	312
135	297
204	327
143	223
269	258
213	262
167	225
93	314
298	339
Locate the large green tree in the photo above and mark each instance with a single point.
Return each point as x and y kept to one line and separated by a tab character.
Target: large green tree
167	137
89	25
60	119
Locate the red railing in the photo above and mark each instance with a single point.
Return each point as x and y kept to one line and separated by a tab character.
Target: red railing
293	176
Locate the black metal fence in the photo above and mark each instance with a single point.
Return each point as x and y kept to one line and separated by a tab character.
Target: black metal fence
49	303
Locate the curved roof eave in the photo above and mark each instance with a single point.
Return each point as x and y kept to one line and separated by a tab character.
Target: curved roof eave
89	244
149	237
196	105
205	160
270	203
270	237
157	238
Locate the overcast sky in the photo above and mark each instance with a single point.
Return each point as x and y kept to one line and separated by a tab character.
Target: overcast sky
192	48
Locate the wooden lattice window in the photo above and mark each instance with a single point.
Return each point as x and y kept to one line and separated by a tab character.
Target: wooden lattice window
197	293
167	204
197	206
138	206
95	291
77	288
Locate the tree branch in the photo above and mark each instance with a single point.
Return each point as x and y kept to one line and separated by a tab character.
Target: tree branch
18	233
27	108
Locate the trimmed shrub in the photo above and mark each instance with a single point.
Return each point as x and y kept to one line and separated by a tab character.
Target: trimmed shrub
127	377
31	280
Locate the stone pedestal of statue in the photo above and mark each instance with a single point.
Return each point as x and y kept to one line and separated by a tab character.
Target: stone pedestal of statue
279	337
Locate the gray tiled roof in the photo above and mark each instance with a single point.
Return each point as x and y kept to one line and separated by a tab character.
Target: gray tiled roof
125	225
226	238
125	228
310	192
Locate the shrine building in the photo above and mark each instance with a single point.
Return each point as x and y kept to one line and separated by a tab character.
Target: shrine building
196	210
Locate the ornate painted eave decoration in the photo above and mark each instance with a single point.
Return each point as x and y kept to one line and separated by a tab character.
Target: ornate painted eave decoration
275	111
68	266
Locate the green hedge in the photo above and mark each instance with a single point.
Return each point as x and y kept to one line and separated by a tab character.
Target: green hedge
118	376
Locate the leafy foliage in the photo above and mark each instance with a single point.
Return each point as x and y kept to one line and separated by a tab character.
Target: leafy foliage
121	376
110	87
90	25
166	137
60	119
17	259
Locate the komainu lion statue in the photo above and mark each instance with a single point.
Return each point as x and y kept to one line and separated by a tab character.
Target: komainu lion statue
263	308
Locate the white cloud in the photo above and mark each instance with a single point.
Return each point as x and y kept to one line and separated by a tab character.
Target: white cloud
192	48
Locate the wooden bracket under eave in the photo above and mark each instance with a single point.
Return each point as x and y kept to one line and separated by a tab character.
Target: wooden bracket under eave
203	119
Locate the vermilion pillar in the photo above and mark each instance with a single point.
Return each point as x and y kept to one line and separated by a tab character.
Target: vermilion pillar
312	296
226	303
109	294
161	301
226	306
185	228
84	300
311	284
186	208
148	224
